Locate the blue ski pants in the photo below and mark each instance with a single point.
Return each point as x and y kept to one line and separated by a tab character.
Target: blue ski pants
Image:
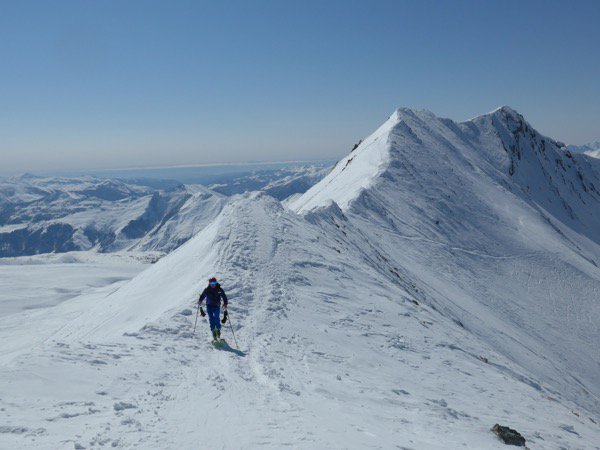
214	313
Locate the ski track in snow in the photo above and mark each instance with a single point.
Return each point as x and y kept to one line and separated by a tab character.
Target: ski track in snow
294	383
358	328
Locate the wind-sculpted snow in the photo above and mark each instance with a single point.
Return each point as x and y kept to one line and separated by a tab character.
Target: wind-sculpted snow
421	297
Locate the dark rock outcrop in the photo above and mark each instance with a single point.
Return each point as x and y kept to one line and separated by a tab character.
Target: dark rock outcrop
508	435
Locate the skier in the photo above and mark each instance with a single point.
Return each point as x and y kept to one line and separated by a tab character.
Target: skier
213	294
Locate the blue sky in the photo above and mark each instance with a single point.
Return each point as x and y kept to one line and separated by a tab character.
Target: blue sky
130	83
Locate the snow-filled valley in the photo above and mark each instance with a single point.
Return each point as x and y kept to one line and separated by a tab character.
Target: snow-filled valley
443	277
42	281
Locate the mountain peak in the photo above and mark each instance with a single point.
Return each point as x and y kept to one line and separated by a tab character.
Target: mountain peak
500	146
404	114
505	109
24	176
503	113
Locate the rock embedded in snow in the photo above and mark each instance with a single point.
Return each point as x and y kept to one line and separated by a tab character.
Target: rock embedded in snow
364	286
508	435
120	406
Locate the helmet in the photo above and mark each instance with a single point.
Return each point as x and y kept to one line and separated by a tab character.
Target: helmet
212	280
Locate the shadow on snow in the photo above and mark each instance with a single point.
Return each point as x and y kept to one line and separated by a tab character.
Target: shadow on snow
224	346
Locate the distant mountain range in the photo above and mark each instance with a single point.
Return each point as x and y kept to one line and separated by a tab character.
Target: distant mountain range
53	215
44	215
591	149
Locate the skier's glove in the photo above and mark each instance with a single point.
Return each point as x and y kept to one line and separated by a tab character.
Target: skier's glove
224	317
202	313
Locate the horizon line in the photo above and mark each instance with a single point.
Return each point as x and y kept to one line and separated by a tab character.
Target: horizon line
17	173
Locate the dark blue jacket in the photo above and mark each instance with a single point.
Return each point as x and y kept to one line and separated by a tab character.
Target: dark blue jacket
213	296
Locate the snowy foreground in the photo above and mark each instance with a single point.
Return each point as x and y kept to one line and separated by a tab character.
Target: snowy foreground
42	281
441	279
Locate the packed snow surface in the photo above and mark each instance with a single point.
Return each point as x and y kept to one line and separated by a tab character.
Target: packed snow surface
46	280
441	279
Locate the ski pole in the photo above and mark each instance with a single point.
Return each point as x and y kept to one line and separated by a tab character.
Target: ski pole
197	311
231	326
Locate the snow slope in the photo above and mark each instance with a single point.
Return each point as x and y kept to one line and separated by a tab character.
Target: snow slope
438	295
46	280
593	153
501	226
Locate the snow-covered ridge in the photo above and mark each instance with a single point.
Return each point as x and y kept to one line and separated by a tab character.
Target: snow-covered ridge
499	143
360	168
449	201
441	279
